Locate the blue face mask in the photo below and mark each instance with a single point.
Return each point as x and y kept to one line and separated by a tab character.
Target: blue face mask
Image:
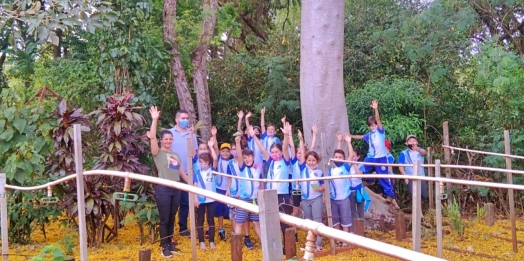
338	164
184	124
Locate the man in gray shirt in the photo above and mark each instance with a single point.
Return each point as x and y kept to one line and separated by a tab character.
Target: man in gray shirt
180	134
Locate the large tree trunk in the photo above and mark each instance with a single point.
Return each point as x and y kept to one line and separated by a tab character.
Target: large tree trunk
199	61
322	85
177	69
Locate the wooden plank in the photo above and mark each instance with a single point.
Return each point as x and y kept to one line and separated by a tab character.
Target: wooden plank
358	226
489	214
236	247
289	242
192	221
82	228
3	218
430	183
270	225
416	208
447	158
507	150
144	254
327	200
438	209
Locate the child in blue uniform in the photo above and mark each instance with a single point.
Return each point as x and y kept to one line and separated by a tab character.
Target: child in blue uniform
205	179
377	150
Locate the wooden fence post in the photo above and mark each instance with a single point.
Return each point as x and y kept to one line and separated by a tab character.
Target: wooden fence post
236	247
438	208
447	158
144	254
417	211
490	213
400	226
270	225
507	150
82	225
290	242
358	224
430	183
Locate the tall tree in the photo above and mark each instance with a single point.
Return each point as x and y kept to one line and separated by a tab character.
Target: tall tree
321	70
198	61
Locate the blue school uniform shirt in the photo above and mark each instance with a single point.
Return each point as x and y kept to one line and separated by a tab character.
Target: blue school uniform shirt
248	189
295	172
278	170
205	180
408	157
257	152
391	160
339	189
269	141
356	182
233	171
376	141
222	167
307	186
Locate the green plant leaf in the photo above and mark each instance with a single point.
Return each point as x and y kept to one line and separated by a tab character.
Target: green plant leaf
9	113
7	134
19	124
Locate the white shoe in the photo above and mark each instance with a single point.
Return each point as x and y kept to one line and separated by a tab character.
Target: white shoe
212	245
202	246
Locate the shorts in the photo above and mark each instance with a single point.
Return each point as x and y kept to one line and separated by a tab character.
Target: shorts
341	212
232	213
242	215
221	209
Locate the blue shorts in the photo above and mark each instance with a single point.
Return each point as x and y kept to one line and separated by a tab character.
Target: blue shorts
221	209
242	215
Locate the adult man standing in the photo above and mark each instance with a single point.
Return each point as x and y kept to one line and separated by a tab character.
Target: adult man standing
180	134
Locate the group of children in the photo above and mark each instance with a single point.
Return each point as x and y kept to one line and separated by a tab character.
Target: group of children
257	153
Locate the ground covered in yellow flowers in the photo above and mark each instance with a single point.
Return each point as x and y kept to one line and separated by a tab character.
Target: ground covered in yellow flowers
480	242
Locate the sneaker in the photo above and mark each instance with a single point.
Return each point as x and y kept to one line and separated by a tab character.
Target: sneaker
248	243
222	234
172	248
166	253
185	233
202	246
212	245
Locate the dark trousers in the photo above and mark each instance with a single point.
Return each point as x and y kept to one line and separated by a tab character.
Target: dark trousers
206	210
167	201
285	208
184	212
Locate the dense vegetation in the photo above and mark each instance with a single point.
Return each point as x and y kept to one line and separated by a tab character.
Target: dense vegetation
426	61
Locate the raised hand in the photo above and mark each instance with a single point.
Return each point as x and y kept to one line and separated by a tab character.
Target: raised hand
314	129
240	114
249	114
339	136
155	113
287	128
347	138
214	130
300	137
263	111
283	120
374	104
251	131
237	139
211	142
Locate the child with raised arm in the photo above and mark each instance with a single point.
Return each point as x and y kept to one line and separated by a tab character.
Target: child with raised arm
169	167
277	164
244	166
268	133
377	150
312	191
340	191
259	158
205	179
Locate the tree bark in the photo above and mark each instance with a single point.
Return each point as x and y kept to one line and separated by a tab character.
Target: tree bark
57	49
321	71
322	86
177	69
199	61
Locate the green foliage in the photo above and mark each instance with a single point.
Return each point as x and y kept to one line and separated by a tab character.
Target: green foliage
63	135
118	122
400	105
23	138
145	214
26	212
453	213
51	252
